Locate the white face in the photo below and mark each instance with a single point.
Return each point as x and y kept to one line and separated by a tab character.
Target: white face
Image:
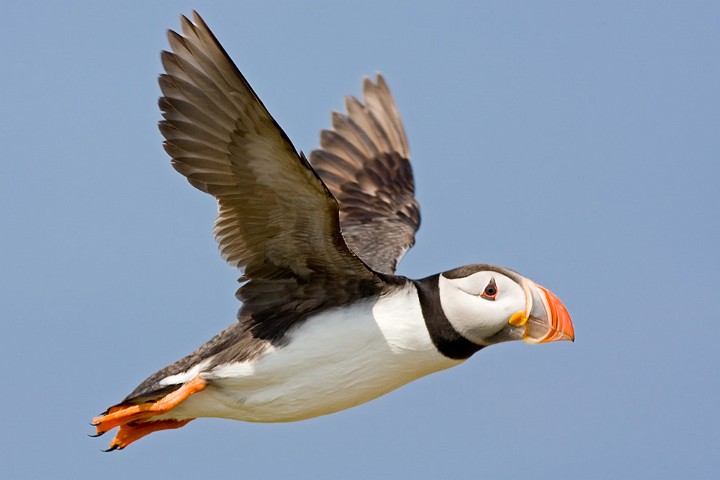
479	306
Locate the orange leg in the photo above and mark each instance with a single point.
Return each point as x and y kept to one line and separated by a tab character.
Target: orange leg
123	415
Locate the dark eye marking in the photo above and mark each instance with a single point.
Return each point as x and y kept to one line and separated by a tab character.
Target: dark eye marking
490	291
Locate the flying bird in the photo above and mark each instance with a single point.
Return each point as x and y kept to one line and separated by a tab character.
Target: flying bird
325	323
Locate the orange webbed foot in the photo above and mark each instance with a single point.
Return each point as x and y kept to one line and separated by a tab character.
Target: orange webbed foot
131	432
134	420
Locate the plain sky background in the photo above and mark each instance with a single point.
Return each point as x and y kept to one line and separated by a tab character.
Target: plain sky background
575	142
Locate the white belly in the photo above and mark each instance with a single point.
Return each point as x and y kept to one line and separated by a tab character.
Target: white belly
333	361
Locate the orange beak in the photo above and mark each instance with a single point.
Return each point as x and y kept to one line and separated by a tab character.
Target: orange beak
549	320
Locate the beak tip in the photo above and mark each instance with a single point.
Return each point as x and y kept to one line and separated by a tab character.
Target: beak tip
558	320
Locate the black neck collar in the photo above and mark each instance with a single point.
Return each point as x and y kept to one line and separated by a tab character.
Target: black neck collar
447	340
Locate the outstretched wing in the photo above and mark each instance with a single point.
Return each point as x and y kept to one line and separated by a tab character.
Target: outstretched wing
365	162
277	221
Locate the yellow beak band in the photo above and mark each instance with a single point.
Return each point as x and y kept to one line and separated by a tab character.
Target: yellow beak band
518	319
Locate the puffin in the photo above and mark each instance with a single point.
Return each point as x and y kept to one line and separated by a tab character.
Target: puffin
325	323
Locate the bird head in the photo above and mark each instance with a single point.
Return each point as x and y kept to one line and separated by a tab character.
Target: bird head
488	304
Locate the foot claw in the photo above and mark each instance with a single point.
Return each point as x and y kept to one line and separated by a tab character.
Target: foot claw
99	434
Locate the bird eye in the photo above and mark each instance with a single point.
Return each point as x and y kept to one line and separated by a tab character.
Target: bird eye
490	291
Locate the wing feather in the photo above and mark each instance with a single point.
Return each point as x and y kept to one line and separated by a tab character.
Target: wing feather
364	161
277	221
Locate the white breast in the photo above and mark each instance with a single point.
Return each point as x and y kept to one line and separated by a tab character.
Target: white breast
333	361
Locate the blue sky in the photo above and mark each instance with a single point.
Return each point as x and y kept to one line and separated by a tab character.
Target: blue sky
575	142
